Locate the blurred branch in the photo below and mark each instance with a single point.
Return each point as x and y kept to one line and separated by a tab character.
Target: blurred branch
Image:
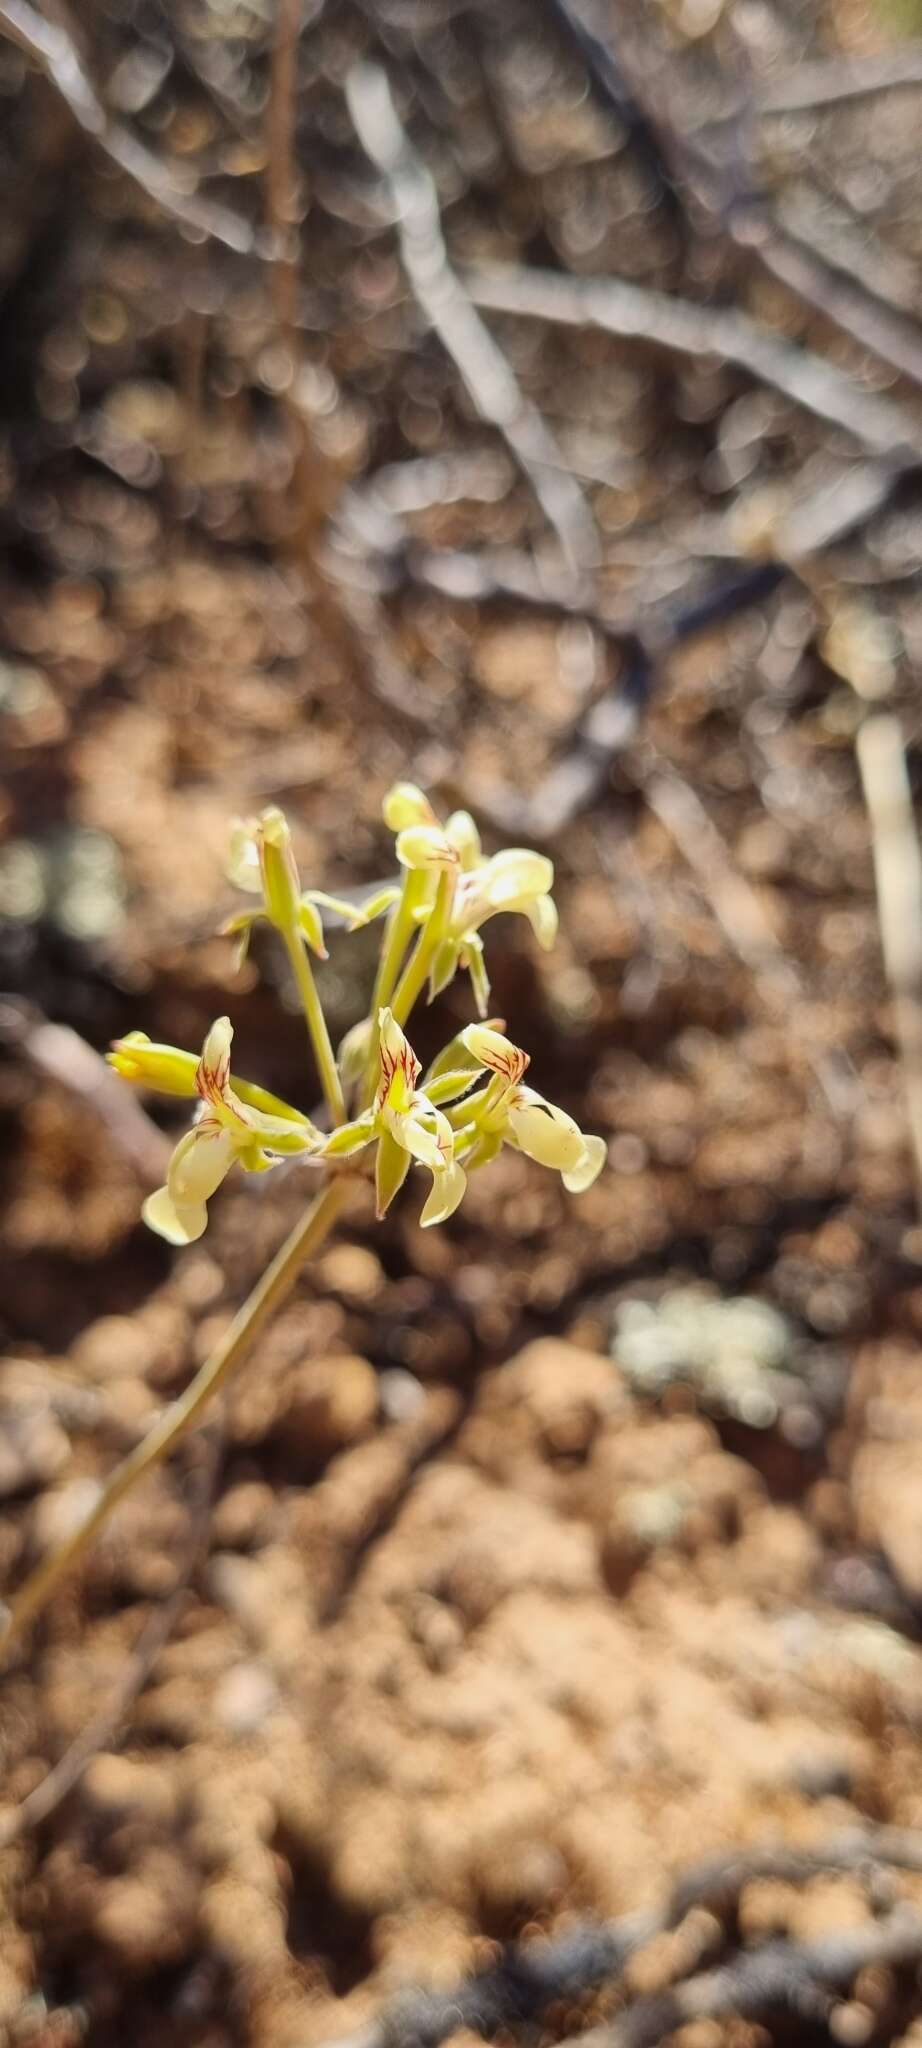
837	79
635	314
713	165
101	1732
739	913
842	296
530	1976
898	876
614	91
281	177
446	305
63	1056
53	50
780	1977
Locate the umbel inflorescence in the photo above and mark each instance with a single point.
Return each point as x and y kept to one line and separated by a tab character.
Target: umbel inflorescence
452	1120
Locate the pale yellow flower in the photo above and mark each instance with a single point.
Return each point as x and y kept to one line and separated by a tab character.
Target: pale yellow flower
511	1113
407	1127
516	879
262	862
227	1132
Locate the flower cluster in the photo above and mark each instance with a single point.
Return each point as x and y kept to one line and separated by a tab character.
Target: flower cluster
454	1120
472	889
236	1124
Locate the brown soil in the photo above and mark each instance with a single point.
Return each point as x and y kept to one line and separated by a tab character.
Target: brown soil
481	1628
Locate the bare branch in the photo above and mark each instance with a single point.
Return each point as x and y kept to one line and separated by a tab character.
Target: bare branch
782	1976
446	305
722	183
48	44
829	83
531	1976
634	314
101	1732
63	1056
898	875
739	912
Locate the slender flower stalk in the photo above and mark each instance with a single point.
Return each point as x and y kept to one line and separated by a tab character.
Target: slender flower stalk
399	935
473	1101
176	1421
416	973
317	1028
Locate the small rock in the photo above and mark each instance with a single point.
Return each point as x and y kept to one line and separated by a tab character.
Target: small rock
245	1698
117	1787
333	1402
114	1347
243	1517
353	1272
60	1512
888	1498
401	1394
33	1448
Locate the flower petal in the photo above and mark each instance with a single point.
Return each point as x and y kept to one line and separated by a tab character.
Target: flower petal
243	859
391	1168
213	1077
590	1166
199	1163
241	929
491	1049
542	916
355	915
406	805
412	1135
177	1225
545	1132
281	882
446	1192
398	1067
515	877
462	831
425	846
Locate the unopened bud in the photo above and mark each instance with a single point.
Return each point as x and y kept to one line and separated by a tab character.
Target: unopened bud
164	1067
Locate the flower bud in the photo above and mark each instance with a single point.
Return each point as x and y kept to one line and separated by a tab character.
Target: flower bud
280	878
406	805
163	1067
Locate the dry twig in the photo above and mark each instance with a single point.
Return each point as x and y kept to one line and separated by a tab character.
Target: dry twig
49	45
830	82
446	305
531	1976
782	1976
63	1056
776	977
898	875
102	1730
635	314
721	182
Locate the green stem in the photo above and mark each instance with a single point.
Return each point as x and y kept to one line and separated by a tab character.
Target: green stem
317	1027
413	979
399	933
276	1283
